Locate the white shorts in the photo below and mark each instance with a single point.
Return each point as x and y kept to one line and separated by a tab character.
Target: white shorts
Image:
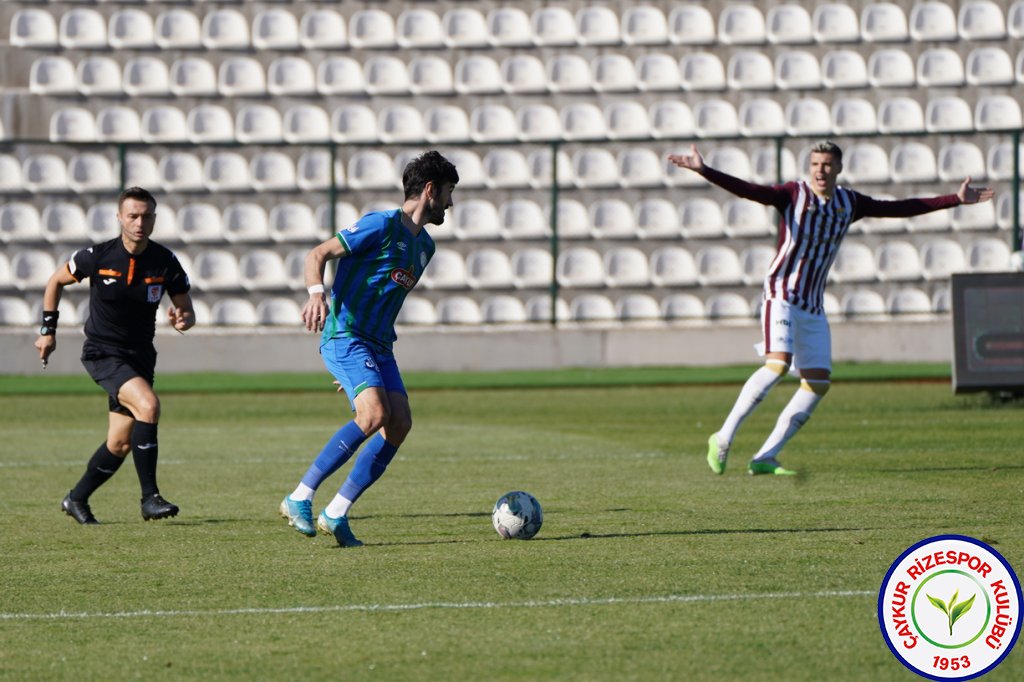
788	329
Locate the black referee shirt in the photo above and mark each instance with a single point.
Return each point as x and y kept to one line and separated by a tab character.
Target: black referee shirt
125	290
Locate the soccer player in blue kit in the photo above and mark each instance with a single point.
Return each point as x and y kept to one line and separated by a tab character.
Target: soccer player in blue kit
380	259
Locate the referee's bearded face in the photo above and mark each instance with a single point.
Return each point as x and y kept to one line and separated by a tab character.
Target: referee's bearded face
137	219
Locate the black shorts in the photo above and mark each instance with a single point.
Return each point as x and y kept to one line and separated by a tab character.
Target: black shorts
113	367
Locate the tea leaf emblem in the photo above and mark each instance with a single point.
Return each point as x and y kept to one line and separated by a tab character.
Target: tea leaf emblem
953	611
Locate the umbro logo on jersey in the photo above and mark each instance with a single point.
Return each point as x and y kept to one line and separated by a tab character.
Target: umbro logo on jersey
403	278
370	365
109	280
352	228
402	246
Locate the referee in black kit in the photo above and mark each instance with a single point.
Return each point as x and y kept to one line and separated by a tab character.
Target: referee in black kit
128	276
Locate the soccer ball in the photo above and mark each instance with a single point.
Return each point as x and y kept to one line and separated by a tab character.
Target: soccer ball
517	515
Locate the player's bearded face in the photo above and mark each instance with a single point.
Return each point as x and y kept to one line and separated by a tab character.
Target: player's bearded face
438	203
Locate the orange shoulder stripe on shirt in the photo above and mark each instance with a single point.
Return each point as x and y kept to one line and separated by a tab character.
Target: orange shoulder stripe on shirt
154	280
108	273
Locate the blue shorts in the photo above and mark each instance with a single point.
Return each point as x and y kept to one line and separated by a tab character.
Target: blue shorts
357	366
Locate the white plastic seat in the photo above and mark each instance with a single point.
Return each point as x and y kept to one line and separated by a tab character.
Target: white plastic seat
72	124
306	123
323	29
45	173
673	266
446	270
597	25
935	221
118	124
788	25
594	168
1015	20
10	175
477	74
592	308
741	25
63	223
354	123
340	76
1000	160
989	66
572	218
532	268
863	303
52	75
612	218
932	21
682	308
97	75
754	262
761	117
226	171
913	162
371	29
464	27
553	27
15	312
272	171
246	223
541	172
807	116
509	27
727	307
177	29
844	69
33	27
908	301
835	23
702	71
416	311
948	113
898	261
580	267
20	222
193	76
718	265
539	122
503	309
569	73
716	118
671	118
262	270
82	28
656	218
997	112
988	254
241	77
644	25
583	121
492	123
291	76
31	269
853	115
691	24
974	217
883	22
656	72
146	76
626	266
854	263
980	20
345	215
523	74
386	75
730	159
522	219
233	312
400	123
293	222
506	168
891	68
701	217
164	124
744	218
471	169
613	73
278	311
258	123
446	123
225	29
200	222
940	66
488	268
431	75
797	70
371	169
942	302
475	219
866	162
639	167
940	258
750	70
141	170
900	115
459	310
626	120
210	123
91	173
275	29
959	160
637	307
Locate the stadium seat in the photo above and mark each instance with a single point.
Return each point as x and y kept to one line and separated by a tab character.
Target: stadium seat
226	172
97	75
386	75
788	25
750	70
656	218
691	24
741	25
932	21
743	218
729	159
44	173
63	223
19	222
430	75
942	301
291	76
101	225
258	123
459	310
523	74
1015	20
509	27
31	269
612	218
471	170
72	124
883	22
210	123
278	311
672	118
262	270
936	221
371	29
541	172
306	123
506	168
569	73
293	222
91	173
416	311
702	71
475	219
10	175
853	115
701	218
980	20
855	262
908	301
940	258
974	217
913	162
940	66
177	29
488	268
900	115
644	25
193	77
233	312
716	118
82	28
841	69
1004	210
597	26
728	307
797	70
522	219
673	266
553	26
863	303
492	123
958	160
272	171
164	124
807	116
275	29
997	112
988	254
446	123
592	308
323	29
225	29
595	168
141	170
400	124
477	74
241	77
52	75
718	265
948	113
835	23
613	73
503	309
15	312
246	223
532	268
354	123
200	222
761	117
682	308
465	27
754	263
537	122
890	68
572	218
345	215
580	267
146	77
639	168
656	72
898	261
989	66
637	307
34	28
118	124
446	270
340	76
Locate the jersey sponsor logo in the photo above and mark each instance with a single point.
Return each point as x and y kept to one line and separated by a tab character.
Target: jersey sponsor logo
403	278
352	228
402	246
154	292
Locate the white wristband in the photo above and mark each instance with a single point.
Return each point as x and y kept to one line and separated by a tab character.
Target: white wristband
315	289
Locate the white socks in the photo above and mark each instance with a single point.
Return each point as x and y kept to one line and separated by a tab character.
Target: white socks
303	492
796	413
338	507
753	392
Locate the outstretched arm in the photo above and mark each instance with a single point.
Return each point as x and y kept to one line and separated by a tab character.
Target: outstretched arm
973	195
869	207
763	194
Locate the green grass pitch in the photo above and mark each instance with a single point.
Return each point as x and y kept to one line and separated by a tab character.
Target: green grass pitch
648	567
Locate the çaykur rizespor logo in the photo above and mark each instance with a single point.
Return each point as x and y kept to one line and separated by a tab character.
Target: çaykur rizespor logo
949	608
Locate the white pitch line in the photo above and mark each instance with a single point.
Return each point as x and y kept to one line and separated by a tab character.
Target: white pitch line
373	608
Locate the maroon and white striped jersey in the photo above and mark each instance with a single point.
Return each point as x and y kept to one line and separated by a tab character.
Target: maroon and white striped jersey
811	228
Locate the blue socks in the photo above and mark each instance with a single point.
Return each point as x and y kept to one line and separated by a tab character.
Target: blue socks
368	468
338	450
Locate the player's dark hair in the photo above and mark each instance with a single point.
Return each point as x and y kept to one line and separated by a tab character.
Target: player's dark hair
427	167
828	147
138	194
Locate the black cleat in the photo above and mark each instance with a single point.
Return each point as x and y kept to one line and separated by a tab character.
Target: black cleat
155	507
79	511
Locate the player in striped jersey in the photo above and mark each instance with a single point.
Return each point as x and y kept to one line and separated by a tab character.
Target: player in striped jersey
815	216
380	259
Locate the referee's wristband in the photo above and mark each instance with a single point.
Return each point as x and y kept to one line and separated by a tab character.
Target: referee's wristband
49	327
315	289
